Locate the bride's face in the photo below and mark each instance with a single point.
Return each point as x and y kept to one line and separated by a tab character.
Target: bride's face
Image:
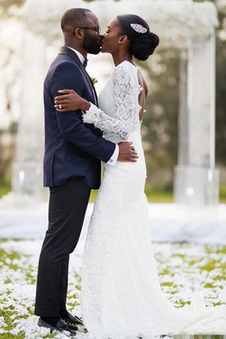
110	41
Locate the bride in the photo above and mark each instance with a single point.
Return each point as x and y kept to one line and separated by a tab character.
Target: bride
121	295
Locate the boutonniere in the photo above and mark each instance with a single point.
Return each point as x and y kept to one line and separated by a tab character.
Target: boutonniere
94	81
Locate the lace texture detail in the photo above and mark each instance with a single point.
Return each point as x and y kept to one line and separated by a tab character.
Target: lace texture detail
121	296
124	91
105	123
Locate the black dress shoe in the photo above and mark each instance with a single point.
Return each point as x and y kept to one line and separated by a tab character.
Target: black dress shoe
61	325
72	320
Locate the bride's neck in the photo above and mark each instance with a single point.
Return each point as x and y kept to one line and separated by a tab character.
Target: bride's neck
120	57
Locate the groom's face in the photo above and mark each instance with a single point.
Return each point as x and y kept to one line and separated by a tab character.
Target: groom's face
92	41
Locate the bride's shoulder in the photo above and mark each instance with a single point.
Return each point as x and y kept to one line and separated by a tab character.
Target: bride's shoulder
125	67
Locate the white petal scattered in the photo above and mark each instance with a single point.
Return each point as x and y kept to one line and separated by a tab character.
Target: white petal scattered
188	273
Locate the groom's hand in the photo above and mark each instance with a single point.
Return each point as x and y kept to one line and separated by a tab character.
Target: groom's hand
127	152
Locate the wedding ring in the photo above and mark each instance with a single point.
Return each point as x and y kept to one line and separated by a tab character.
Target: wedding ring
60	106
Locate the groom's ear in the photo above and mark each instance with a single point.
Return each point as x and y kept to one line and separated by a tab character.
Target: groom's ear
79	33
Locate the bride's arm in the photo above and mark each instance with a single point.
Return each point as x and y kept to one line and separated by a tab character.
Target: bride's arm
125	97
125	104
70	101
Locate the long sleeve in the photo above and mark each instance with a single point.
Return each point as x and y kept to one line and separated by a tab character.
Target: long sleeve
126	107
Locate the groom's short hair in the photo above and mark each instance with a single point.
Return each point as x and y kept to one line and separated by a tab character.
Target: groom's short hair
72	18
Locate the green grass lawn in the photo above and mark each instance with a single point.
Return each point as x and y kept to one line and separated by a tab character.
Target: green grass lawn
5	187
154	196
184	269
223	194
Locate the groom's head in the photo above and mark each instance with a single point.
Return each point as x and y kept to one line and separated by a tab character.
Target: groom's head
81	30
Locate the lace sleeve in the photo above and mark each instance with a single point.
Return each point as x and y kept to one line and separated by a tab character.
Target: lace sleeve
104	122
125	92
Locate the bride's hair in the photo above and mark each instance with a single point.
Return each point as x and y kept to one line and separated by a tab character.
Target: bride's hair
143	42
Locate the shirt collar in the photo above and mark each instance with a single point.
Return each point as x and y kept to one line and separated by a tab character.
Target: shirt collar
80	56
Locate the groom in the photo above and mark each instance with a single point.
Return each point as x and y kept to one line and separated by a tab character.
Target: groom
73	151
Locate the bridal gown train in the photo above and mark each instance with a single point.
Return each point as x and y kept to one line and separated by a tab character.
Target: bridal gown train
121	295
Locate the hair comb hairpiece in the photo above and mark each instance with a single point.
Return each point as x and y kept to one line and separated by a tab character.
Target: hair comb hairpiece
139	28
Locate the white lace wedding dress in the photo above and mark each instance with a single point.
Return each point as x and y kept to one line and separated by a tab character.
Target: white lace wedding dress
121	295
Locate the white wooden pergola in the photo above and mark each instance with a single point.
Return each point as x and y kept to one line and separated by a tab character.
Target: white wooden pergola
189	26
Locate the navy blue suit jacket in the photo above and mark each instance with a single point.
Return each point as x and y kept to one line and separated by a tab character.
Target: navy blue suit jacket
72	148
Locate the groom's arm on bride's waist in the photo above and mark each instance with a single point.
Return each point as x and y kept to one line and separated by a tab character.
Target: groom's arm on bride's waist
71	125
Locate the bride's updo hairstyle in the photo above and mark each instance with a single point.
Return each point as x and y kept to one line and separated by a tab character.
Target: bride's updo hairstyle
143	42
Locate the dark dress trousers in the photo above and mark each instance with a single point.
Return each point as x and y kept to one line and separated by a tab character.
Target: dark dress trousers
73	151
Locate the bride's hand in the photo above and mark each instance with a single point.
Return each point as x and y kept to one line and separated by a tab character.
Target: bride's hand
69	100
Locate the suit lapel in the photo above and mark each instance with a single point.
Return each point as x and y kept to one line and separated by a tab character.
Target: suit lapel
73	55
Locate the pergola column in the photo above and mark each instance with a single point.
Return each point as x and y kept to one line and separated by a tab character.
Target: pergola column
196	179
27	168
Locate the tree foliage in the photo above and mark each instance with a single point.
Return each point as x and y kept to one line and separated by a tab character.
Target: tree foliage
221	85
160	120
6	4
221	103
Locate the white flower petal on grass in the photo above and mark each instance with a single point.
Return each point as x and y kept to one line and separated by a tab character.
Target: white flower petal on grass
183	272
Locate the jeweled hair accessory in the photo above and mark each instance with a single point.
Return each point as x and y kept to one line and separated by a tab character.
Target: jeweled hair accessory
139	28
